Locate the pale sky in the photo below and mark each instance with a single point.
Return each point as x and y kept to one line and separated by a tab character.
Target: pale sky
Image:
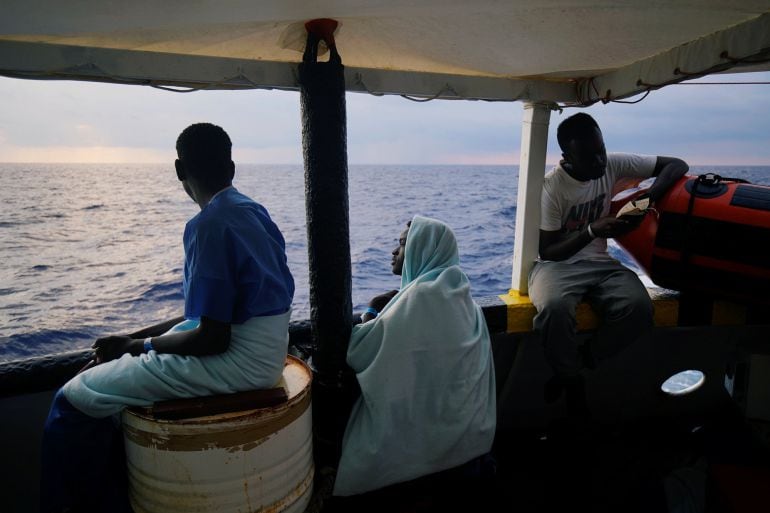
61	121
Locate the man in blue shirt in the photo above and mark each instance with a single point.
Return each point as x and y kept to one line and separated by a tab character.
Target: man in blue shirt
233	337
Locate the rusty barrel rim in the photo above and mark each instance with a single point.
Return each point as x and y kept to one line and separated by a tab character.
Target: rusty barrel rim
224	430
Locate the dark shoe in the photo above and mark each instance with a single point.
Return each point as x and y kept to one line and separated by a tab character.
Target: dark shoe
553	389
587	359
577	405
556	386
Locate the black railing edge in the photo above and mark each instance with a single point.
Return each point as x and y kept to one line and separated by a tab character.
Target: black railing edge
49	372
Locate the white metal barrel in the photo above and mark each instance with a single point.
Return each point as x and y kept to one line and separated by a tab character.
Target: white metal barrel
246	461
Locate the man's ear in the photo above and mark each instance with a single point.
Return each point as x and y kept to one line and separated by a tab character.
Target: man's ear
180	174
231	170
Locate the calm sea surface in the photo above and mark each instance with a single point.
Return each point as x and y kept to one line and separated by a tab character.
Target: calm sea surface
89	250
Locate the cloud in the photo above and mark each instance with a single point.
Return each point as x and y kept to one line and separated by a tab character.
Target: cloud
273	155
84	154
704	124
80	121
91	114
393	130
482	158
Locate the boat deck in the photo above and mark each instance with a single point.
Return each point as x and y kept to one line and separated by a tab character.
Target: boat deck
714	462
636	446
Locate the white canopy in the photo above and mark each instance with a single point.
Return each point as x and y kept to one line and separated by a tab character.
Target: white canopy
568	51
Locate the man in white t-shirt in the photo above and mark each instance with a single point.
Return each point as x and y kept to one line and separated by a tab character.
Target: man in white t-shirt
574	265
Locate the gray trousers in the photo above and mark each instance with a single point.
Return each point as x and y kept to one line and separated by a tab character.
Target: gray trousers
614	292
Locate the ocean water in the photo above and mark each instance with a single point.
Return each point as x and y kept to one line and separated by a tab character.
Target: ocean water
88	250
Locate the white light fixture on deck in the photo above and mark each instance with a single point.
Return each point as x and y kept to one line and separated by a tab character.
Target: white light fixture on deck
683	383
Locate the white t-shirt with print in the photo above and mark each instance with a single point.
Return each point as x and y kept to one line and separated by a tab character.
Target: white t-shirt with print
568	204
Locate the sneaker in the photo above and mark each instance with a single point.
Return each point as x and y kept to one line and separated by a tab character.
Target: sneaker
587	359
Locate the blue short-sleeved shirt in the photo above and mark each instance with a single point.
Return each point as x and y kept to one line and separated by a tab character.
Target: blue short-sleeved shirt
235	262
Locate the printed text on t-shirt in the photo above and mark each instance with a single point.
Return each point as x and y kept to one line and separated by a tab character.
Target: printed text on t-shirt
587	212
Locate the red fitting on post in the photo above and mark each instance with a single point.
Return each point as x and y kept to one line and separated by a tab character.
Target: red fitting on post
323	28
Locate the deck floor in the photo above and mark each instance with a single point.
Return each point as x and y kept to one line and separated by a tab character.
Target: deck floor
586	466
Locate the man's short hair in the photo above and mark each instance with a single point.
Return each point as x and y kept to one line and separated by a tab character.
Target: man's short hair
574	127
205	148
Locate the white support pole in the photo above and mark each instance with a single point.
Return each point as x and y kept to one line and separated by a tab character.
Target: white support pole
534	142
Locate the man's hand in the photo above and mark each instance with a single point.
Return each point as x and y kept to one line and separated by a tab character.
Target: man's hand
115	346
611	227
379	302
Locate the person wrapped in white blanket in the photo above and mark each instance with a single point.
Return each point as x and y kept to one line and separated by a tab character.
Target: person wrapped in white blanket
238	292
423	360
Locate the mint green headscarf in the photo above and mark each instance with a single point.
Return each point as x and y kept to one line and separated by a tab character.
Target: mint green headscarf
425	370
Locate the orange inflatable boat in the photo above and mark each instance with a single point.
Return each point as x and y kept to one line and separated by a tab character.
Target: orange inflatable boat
707	234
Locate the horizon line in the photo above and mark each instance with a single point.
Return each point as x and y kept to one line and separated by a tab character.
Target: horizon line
389	164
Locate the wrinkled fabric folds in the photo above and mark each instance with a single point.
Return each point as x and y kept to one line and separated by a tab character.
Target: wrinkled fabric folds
254	360
425	370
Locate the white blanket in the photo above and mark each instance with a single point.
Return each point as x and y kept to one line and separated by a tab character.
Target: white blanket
426	373
254	360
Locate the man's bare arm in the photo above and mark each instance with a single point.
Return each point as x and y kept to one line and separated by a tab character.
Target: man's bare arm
210	337
668	171
558	245
157	329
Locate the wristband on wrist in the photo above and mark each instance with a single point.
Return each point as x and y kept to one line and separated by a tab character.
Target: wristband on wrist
591	232
369	310
148	345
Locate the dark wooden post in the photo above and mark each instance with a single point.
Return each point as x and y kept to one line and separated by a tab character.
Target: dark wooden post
324	142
